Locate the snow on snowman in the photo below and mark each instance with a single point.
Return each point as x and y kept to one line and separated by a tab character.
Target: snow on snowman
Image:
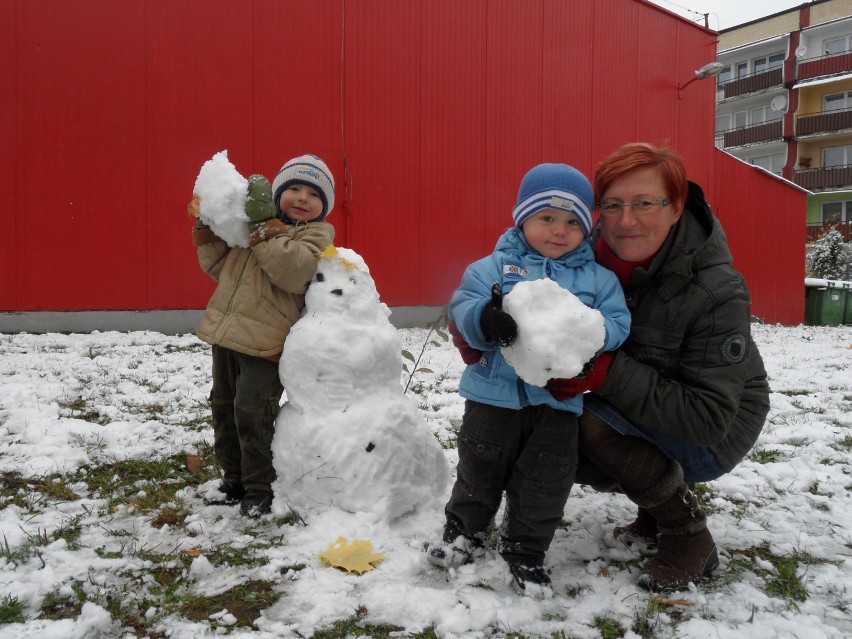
347	436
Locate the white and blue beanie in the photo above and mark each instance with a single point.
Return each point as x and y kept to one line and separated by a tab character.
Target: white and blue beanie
306	169
555	186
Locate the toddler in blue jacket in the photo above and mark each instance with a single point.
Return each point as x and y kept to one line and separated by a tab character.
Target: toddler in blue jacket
515	437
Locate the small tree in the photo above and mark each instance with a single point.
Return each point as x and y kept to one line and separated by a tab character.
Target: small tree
829	259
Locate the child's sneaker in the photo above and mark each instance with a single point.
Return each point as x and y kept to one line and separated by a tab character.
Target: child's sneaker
256	503
462	550
531	581
233	493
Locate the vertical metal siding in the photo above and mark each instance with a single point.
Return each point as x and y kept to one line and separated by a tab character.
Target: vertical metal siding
9	222
764	219
428	112
198	101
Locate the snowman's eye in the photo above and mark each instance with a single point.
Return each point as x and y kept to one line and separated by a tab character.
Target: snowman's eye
337	291
320	277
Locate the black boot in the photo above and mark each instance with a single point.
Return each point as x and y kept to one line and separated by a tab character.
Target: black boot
643	528
686	549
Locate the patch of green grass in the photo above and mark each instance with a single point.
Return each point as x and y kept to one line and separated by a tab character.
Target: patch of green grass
57	606
245	602
783	580
766	456
609	628
11	610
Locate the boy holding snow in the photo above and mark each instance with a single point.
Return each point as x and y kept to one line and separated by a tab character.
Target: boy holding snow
516	437
260	295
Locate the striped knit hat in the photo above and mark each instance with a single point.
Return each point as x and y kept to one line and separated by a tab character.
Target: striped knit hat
555	186
306	169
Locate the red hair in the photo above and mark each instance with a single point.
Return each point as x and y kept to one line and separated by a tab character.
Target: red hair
637	155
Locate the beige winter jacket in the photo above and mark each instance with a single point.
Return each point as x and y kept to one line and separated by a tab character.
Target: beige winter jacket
261	289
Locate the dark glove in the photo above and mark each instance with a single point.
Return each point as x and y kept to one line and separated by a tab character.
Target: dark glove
496	323
193	209
563	389
259	207
469	354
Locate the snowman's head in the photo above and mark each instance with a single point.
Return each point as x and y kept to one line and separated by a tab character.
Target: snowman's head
342	284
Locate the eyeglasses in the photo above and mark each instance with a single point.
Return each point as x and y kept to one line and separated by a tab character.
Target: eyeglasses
639	206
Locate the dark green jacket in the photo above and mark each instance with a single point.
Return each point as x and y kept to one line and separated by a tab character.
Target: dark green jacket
689	367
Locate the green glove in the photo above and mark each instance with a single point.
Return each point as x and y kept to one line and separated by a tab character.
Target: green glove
259	206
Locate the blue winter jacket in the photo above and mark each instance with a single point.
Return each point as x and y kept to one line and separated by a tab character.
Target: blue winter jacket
492	380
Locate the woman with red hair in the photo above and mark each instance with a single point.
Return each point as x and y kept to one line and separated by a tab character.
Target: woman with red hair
685	398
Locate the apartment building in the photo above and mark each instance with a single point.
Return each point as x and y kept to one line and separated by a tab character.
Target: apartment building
784	103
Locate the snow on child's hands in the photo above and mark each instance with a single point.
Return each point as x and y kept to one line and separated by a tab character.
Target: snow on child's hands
223	192
557	333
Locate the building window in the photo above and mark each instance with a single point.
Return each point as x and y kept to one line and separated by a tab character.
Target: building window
742	69
766	63
834	212
837	101
772	163
836	46
761	114
724	76
834	156
740	119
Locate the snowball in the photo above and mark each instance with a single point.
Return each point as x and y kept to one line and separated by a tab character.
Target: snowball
557	333
223	192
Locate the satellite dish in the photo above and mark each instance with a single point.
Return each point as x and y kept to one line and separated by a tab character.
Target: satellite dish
801	50
779	103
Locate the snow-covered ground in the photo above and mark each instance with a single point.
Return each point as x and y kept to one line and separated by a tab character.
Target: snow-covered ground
95	544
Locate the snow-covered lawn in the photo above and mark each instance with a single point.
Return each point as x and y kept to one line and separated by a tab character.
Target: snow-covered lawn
105	532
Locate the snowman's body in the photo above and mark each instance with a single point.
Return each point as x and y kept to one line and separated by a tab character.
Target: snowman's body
348	437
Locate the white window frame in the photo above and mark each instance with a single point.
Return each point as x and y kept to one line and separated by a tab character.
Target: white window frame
772	163
845	42
845	213
845	100
845	149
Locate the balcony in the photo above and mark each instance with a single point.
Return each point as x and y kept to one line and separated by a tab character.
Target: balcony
750	83
833	177
817	231
825	65
753	134
824	122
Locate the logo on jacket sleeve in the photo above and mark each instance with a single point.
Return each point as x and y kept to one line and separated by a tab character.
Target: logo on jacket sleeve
515	270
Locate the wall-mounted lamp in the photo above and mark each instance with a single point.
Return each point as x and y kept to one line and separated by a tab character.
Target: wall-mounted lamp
709	70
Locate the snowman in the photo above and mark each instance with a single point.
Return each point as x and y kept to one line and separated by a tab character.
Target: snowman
347	437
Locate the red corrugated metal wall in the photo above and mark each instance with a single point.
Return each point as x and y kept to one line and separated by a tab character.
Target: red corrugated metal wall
428	113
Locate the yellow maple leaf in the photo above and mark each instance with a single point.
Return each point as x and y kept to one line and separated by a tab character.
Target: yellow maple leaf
330	251
357	557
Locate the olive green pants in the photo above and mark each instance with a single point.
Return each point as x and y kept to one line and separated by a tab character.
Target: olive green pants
245	395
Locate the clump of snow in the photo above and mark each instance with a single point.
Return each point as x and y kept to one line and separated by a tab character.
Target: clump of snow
557	333
223	192
348	437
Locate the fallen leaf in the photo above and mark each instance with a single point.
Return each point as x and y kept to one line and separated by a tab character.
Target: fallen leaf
668	603
194	464
357	557
192	552
603	572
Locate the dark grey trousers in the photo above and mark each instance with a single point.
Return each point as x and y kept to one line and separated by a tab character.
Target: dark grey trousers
245	395
531	454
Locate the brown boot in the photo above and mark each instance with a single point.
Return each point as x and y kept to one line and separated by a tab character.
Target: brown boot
686	549
643	528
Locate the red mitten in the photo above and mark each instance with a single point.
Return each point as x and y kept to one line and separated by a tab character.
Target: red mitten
563	389
469	355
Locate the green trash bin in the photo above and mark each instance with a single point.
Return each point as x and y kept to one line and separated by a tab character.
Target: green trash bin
847	313
825	302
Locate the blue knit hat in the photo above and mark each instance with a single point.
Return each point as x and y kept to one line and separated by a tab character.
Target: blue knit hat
555	186
306	169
